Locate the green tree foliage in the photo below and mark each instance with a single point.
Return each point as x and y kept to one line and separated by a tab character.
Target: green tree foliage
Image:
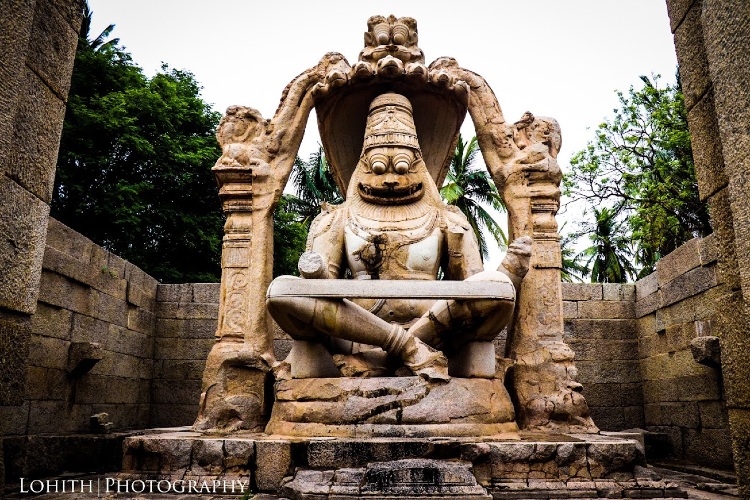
134	168
469	187
610	255
313	185
289	238
641	163
573	267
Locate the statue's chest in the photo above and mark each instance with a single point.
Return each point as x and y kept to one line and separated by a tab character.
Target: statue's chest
403	254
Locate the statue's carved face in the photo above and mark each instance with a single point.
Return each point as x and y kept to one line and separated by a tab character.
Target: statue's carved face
391	175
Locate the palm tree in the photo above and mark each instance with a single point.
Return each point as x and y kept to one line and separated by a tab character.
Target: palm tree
98	44
611	251
572	267
470	188
313	185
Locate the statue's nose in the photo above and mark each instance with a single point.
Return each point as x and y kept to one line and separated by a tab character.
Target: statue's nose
390	181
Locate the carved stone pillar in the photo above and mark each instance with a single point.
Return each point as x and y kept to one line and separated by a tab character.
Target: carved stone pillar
544	375
233	395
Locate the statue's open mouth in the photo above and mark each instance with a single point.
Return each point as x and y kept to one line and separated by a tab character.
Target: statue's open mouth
390	194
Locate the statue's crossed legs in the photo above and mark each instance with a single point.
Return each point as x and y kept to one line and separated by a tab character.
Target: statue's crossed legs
473	310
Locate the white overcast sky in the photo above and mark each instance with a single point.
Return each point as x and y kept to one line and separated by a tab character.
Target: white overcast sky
559	58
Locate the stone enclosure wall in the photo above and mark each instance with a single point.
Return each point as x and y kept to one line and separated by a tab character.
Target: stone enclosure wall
91	351
634	357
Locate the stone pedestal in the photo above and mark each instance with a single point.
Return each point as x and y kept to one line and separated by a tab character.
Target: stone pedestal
532	466
392	406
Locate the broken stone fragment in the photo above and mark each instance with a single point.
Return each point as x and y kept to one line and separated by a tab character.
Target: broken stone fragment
82	356
706	351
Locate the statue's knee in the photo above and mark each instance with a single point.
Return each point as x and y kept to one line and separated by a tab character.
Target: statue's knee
294	315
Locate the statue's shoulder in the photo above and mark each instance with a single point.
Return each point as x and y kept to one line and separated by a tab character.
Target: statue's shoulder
329	215
454	219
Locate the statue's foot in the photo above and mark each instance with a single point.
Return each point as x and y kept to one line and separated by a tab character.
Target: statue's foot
425	361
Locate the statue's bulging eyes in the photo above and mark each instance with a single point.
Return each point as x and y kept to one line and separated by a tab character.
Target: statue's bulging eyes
382	34
402	164
400	34
378	167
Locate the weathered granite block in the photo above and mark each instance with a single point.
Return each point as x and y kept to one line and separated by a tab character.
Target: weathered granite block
126	341
182	292
23	226
140	320
648	304
709	447
709	252
137	296
68	241
82	272
333	453
679	262
273	462
107	390
51	321
679	312
673	338
713	414
606	309
646	286
178	369
610	372
614	394
621	329
721	222
707	151
36	137
570	309
206	293
656	391
175	348
618	291
52	48
136	277
706	351
609	418
48	352
186	328
634	416
15	334
15	33
604	351
168	415
685	388
673	365
582	291
677	10
689	284
187	310
175	391
691	56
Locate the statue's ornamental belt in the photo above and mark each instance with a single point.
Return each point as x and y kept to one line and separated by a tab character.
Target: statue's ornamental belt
391	289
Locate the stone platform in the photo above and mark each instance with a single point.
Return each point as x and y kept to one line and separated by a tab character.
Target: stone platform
534	466
392	407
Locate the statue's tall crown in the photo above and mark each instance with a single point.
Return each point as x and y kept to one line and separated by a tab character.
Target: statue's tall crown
390	122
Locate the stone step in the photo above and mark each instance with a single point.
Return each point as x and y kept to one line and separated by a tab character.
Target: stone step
531	466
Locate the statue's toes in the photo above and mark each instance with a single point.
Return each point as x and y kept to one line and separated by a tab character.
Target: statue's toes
429	364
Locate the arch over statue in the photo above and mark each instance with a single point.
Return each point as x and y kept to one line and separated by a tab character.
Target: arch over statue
394	336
